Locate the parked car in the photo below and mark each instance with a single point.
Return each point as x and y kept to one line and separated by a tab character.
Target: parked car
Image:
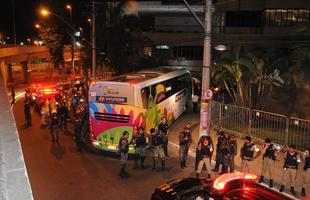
231	186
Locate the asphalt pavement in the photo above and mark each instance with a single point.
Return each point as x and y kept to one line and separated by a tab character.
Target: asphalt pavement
59	172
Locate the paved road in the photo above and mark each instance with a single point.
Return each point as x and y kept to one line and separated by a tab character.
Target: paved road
60	172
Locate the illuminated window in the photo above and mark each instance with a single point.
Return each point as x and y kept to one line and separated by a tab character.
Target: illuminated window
285	17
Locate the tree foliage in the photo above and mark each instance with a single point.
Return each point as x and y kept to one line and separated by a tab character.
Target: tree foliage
248	75
54	40
121	39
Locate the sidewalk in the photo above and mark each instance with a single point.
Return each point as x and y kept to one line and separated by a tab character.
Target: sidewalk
189	117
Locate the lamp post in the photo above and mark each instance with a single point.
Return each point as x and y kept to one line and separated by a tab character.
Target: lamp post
69	7
45	13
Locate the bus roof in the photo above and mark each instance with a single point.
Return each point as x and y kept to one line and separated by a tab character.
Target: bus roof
147	75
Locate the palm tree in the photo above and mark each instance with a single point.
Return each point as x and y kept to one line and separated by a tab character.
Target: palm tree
247	77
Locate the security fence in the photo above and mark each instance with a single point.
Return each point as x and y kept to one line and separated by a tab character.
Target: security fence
260	124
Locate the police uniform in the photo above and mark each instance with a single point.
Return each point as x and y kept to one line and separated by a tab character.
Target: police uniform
232	145
156	143
306	173
219	151
54	126
269	157
290	167
205	158
140	144
247	155
163	128
123	150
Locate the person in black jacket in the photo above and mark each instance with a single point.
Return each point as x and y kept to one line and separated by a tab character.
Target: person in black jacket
54	126
27	113
163	128
140	146
78	124
63	111
221	144
205	154
185	140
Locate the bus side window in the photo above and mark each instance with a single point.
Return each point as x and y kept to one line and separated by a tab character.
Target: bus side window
160	92
145	95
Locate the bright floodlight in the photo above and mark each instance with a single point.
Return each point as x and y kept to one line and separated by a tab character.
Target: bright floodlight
220	47
45	12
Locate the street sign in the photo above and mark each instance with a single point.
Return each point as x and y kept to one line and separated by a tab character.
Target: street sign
208	94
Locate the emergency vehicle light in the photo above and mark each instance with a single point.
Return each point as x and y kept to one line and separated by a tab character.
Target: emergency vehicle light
221	181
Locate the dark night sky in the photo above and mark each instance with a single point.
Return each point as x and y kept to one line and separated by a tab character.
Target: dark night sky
26	15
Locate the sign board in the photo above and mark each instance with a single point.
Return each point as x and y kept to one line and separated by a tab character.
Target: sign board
208	94
114	100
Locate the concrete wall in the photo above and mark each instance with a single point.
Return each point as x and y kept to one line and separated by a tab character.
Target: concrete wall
14	182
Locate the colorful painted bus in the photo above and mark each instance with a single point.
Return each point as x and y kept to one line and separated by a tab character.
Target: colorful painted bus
137	99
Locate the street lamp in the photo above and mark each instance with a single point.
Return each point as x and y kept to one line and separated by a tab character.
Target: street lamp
29	40
44	12
37	26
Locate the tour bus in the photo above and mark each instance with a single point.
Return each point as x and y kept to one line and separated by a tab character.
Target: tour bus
129	101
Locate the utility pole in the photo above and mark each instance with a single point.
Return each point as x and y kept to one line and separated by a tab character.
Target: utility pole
72	41
13	13
206	95
205	110
93	22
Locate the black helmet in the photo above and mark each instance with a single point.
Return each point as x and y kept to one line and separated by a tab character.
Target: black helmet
267	140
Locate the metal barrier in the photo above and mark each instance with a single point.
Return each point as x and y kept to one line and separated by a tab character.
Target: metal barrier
235	118
299	133
266	124
260	124
215	113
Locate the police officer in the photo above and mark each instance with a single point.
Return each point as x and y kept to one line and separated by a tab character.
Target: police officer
306	173
225	155
123	148
78	131
163	128
219	150
140	145
63	111
185	140
232	145
247	154
291	162
156	144
54	126
206	149
27	113
269	156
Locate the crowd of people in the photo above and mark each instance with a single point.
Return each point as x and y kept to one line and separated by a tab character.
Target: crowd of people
225	153
56	109
56	112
